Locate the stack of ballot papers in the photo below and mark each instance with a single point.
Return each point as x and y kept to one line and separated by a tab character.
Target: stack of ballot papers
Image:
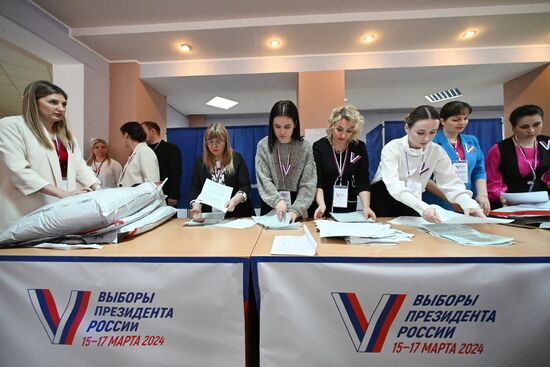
271	221
466	236
295	245
448	217
361	233
208	219
523	210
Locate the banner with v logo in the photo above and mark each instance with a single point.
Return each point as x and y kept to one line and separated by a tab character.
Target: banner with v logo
60	330
368	336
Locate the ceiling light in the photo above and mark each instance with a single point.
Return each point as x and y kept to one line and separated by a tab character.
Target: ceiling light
221	102
274	43
185	47
444	95
469	34
368	38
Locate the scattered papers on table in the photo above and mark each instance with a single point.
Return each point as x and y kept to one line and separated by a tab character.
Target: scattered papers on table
65	246
329	228
240	223
351	217
209	219
523	210
270	221
392	240
448	217
466	236
214	194
295	245
534	197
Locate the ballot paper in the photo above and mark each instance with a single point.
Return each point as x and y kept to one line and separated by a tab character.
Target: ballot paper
209	219
329	228
237	223
214	194
448	217
523	210
295	245
466	236
65	246
391	240
271	221
351	217
545	225
533	197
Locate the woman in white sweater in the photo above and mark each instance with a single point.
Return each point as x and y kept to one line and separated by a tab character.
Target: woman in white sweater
406	166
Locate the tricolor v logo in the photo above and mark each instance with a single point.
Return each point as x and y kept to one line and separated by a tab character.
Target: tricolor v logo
59	330
368	336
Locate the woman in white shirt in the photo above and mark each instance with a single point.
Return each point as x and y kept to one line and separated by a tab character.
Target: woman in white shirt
106	169
142	165
406	166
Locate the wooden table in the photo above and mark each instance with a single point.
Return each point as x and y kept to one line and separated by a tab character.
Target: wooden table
428	302
173	296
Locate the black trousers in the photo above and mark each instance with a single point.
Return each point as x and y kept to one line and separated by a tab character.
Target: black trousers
384	205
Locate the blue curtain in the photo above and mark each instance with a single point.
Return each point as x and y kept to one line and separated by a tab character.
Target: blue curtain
244	140
374	143
487	131
393	130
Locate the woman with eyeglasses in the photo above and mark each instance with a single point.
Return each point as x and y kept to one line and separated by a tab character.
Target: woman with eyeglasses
221	164
285	168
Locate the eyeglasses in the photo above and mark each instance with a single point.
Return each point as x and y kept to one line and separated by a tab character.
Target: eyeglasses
213	143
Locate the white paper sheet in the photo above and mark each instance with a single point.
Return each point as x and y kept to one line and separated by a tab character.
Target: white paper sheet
545	225
209	219
351	217
466	236
295	245
216	195
64	246
329	228
448	217
534	197
240	223
271	221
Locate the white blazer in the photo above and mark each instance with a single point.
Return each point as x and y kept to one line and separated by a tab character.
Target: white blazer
26	167
142	166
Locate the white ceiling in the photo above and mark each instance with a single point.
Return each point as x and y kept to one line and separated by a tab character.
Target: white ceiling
418	48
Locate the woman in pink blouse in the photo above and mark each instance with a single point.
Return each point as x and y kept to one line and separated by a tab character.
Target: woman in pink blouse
520	163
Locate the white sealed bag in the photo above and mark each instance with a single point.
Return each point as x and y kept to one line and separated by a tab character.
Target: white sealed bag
81	214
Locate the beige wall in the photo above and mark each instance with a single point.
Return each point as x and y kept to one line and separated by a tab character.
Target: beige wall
530	88
131	100
318	93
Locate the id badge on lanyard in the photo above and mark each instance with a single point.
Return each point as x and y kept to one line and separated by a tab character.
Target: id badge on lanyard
286	197
461	170
65	184
415	188
340	196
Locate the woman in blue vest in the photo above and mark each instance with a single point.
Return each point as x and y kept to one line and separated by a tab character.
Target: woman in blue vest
465	154
520	163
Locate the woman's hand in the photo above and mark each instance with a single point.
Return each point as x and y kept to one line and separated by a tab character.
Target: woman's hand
431	215
196	212
293	217
319	212
66	194
281	210
474	212
483	202
502	200
235	200
368	213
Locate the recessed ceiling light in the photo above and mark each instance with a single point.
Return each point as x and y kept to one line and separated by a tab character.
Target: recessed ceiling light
469	34
185	47
444	95
274	43
221	102
368	38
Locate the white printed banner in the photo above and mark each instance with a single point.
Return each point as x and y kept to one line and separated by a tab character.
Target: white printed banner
121	314
404	314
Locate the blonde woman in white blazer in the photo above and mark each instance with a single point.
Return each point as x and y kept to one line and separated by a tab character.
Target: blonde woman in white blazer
142	165
40	161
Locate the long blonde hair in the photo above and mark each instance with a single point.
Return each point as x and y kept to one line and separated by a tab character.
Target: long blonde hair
33	92
92	157
217	131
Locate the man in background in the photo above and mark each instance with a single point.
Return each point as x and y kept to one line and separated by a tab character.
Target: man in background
169	158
